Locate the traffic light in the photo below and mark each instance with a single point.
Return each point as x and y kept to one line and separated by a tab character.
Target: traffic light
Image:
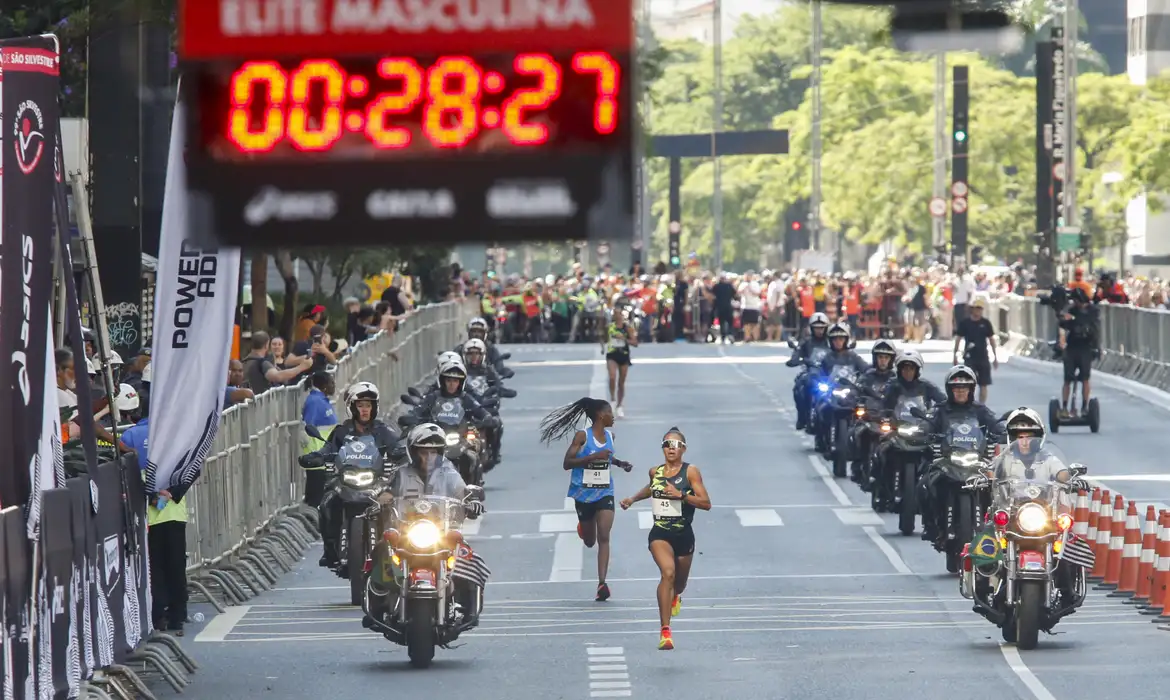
796	226
960	188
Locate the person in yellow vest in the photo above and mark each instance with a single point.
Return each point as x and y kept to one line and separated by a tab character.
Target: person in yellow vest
317	411
166	520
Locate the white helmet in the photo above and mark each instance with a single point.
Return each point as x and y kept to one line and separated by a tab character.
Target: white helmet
148	372
910	356
453	368
127	400
445	357
475	345
819	319
477	324
840	329
425	435
1024	419
361	391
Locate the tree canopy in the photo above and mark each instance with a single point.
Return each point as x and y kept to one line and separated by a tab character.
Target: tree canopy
878	134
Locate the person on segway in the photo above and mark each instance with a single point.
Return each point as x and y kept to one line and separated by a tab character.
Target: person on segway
1079	340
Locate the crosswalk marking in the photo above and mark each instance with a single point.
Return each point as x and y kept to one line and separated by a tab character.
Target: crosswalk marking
858	516
759	518
558	522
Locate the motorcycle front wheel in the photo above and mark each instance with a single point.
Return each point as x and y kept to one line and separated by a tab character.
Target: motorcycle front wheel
1028	612
841	449
420	632
356	560
909	488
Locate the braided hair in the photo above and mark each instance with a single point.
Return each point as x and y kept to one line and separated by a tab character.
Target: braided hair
563	420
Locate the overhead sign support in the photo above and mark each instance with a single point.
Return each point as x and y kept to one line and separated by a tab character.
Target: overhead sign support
306	130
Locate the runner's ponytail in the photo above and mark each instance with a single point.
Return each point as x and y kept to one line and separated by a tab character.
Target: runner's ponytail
563	420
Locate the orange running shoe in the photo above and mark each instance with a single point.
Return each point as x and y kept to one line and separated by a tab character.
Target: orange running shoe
665	642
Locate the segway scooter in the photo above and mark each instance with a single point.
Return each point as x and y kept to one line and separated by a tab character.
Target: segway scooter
1091	417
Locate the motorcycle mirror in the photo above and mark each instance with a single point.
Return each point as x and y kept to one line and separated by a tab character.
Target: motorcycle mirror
407	398
506	356
1078	468
312	432
414	392
474	493
917	412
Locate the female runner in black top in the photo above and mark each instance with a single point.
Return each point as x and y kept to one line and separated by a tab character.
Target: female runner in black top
677	490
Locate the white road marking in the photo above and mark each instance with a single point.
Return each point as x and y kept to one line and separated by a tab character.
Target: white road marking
471	527
826	477
568	558
777	506
558	522
222	624
1132	477
608	675
888	550
569	505
1012	655
858	516
645	519
599	380
759	518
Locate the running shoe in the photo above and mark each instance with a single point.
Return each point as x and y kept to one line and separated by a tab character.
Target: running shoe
621	412
676	608
665	642
602	593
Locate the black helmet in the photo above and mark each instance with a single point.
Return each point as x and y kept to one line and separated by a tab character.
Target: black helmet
959	376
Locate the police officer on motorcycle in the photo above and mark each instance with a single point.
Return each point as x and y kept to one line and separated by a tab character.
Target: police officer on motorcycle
477	328
960	406
873	381
474	360
818	325
840	355
909	381
361	402
452	380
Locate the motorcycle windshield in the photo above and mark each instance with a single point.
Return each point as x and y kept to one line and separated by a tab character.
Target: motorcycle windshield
964	435
447	513
816	356
842	372
448	412
905	403
1026	471
359	453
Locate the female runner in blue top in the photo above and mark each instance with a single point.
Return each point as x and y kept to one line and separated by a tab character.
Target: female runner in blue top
591	485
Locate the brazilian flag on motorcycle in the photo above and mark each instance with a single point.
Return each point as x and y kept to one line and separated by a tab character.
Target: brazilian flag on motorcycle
985	548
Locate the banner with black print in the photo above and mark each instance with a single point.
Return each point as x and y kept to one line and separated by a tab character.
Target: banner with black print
29	418
17	606
55	675
110	520
82	653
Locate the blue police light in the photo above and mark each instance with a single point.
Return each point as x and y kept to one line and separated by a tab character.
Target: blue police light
822	387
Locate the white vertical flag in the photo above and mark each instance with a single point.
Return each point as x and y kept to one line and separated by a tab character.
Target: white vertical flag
194	316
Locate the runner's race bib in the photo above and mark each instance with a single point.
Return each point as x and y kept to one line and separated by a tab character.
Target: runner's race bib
596	475
666	507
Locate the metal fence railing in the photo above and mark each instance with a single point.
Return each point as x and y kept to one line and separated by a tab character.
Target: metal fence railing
245	519
1135	342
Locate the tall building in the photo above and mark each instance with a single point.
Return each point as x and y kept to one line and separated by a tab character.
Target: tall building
692	19
1106	31
1148	55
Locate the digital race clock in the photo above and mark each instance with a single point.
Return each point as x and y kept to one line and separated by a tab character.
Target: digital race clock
395	121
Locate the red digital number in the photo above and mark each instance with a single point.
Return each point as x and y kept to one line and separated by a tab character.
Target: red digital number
306	132
377	131
608	76
243	86
463	101
537	98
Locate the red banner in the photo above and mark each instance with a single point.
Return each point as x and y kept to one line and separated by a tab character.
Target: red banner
238	29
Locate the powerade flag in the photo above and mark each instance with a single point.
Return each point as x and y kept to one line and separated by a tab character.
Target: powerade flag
985	549
30	421
194	313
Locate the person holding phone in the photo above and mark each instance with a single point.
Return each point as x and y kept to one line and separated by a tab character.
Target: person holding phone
315	348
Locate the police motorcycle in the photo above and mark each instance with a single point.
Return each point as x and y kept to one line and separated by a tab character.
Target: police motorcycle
836	412
871	424
961	452
903	454
464	436
358	477
1027	570
423	550
811	382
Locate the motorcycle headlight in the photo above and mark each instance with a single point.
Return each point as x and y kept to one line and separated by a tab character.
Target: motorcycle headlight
840	393
358	478
452	438
1032	518
471	436
965	459
423	534
822	387
908	430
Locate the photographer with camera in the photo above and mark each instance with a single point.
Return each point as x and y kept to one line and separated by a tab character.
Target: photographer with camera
1080	334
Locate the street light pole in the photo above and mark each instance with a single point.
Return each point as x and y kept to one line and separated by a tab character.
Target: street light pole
939	223
814	203
717	126
1072	21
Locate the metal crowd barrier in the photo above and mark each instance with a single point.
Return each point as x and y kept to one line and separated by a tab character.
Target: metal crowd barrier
1135	342
246	523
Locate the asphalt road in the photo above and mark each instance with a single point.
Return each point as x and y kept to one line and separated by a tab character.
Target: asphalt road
798	590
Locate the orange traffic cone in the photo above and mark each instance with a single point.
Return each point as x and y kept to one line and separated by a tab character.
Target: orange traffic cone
1115	547
1131	554
1101	543
1161	569
1145	582
1081	515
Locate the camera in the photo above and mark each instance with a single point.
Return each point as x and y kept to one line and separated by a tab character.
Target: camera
1057	299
